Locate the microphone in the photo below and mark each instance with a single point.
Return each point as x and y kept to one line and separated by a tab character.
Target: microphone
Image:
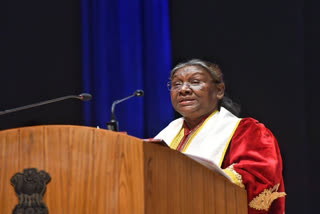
113	123
83	97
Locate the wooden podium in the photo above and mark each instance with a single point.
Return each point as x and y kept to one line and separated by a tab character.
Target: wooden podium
95	171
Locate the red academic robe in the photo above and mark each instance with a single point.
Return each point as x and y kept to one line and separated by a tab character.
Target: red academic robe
253	154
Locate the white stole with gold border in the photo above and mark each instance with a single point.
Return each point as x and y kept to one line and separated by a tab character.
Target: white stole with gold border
211	141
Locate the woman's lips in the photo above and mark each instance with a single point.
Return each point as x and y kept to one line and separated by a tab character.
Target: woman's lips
186	101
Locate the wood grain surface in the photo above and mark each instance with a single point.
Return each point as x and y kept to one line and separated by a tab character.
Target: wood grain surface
99	171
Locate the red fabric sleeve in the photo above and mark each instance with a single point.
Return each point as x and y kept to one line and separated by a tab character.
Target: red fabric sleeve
256	157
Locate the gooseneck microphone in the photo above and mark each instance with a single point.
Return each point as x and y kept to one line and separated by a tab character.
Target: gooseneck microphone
83	97
113	123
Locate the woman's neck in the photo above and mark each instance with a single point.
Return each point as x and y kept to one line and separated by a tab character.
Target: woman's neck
191	123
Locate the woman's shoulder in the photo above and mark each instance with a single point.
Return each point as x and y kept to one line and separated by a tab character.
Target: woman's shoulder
251	126
250	122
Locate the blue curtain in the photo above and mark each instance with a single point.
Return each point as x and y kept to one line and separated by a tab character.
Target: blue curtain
126	46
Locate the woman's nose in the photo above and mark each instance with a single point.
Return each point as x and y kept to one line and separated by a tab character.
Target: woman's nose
185	88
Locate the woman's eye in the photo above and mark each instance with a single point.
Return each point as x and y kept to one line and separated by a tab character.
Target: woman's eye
176	83
195	81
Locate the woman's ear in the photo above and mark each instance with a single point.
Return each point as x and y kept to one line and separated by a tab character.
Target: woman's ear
220	90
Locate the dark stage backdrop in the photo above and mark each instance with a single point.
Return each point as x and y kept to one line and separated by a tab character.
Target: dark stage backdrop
40	60
266	49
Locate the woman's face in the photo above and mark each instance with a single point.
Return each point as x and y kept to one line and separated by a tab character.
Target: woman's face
194	93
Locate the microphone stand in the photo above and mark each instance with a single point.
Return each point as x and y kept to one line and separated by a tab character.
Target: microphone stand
83	97
113	124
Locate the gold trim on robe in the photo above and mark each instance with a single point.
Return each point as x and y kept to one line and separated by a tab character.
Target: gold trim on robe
264	200
235	177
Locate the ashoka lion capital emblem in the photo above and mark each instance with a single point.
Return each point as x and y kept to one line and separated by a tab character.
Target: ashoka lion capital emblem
30	187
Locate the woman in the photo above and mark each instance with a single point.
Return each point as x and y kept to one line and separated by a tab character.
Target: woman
243	148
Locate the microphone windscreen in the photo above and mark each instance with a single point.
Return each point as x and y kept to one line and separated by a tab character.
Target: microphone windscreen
139	93
85	96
